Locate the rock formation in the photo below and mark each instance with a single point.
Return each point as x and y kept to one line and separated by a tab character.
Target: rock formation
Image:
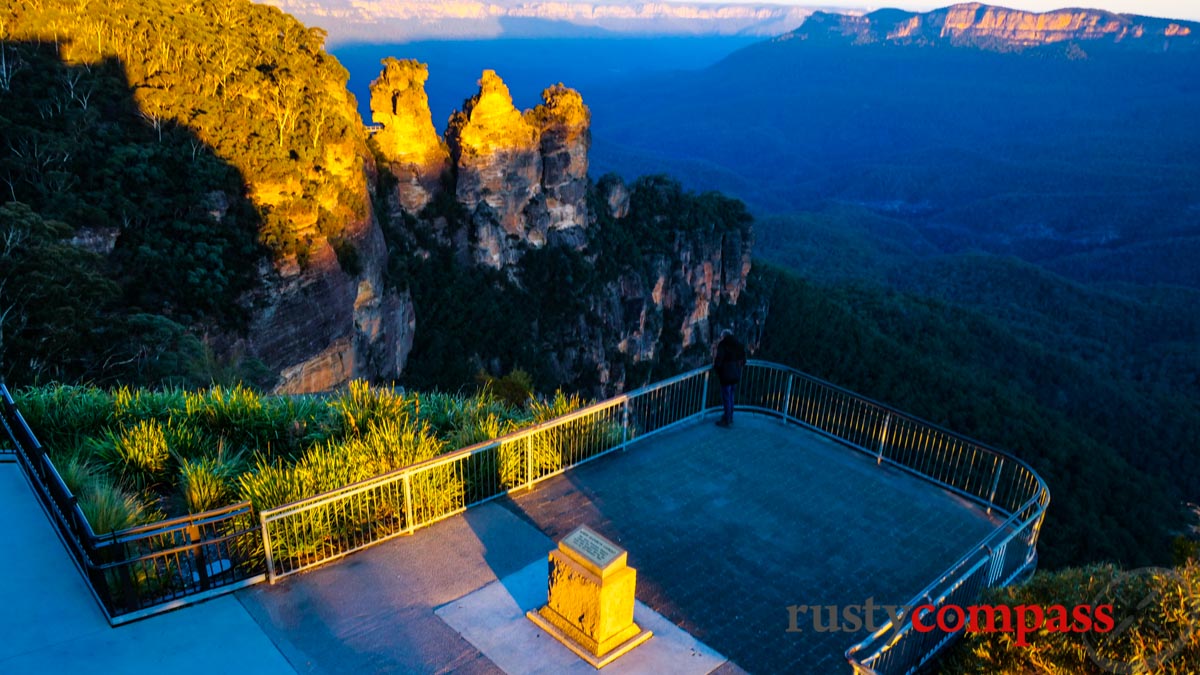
565	124
520	184
1001	29
498	171
406	140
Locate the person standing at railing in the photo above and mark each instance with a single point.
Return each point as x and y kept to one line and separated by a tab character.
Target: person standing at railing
728	365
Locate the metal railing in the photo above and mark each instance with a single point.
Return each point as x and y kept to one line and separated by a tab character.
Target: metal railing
145	570
310	532
149	569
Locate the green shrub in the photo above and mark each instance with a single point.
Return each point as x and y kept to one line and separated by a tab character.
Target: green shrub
138	455
1152	611
61	415
514	389
208	483
108	508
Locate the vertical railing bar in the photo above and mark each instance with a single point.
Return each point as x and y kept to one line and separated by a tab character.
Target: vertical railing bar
787	399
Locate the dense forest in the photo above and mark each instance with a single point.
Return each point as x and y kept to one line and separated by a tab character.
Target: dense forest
160	156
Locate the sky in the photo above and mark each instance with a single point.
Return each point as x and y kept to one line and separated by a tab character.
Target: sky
1173	9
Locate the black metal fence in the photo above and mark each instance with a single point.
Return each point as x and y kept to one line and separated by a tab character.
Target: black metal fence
144	570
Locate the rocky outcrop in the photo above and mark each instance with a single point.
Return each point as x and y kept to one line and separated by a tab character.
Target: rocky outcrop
321	325
565	125
498	167
653	295
406	140
1000	29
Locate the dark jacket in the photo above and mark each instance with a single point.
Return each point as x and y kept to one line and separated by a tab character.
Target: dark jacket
731	359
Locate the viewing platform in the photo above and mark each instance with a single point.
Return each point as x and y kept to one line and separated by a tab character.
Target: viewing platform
761	541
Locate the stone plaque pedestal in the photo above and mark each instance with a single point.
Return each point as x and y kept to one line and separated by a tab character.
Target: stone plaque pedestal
590	608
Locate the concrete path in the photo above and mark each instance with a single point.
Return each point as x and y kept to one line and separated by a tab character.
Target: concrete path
49	622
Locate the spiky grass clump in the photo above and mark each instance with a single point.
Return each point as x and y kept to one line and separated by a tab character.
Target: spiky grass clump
138	456
275	426
384	446
108	508
77	472
361	404
131	405
207	483
62	415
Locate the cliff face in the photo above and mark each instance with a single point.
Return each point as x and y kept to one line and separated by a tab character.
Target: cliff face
324	320
1001	29
329	321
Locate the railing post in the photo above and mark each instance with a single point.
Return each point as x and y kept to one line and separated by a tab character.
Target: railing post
704	397
787	399
887	426
995	484
201	560
266	537
624	424
406	486
529	459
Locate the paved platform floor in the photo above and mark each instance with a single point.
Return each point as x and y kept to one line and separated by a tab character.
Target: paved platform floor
727	528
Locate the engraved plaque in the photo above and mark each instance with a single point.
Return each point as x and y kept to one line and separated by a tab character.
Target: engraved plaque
591	546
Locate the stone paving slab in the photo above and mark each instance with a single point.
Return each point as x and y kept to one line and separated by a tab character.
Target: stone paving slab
373	612
50	623
729	527
493	620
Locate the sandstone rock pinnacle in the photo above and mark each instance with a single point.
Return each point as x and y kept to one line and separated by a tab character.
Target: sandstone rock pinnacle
565	140
495	150
407	140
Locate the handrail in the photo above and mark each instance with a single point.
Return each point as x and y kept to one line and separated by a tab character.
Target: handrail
330	525
896	411
476	448
123	568
993	478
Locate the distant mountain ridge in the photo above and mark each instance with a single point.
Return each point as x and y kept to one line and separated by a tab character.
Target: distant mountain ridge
406	20
999	28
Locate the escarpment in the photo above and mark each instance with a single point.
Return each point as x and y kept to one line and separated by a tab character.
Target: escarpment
1001	29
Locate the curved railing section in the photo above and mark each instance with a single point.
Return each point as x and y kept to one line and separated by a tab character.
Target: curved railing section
996	480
